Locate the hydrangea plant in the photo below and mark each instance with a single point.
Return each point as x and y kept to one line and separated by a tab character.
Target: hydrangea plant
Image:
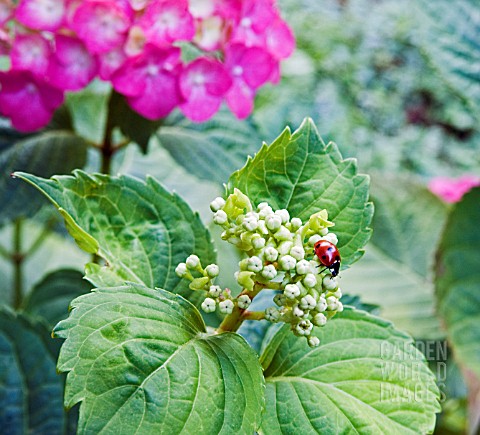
138	354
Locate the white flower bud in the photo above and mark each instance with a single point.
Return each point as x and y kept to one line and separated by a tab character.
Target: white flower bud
220	217
262	227
193	262
273	222
217	204
250	223
329	283
272	314
313	341
258	242
284	215
324	231
321	304
310	280
331	237
215	291
284	247
338	293
181	270
244	301
297	312
303	267
269	271
262	205
226	307
265	211
339	307
212	270
209	305
308	303
283	234
319	319
296	223
298	253
332	303
304	327
270	253
292	291
287	262
314	239
254	264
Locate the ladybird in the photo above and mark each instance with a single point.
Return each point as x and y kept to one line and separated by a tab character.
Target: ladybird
328	255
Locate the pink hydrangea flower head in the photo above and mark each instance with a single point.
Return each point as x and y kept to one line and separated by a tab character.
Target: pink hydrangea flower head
279	39
20	89
41	14
150	81
166	21
452	189
203	83
6	10
71	66
31	52
255	17
101	25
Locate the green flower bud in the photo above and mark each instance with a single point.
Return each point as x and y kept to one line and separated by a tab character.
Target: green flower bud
209	305
283	234
237	204
313	341
280	299
226	307
212	270
244	301
284	247
272	314
199	283
217	204
244	278
319	221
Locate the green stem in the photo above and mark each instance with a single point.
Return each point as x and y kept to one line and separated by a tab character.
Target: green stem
4	253
17	259
234	320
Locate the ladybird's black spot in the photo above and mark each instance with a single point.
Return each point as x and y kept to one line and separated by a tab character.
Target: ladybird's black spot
324	257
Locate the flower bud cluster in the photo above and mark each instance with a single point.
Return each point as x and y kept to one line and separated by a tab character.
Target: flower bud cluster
280	256
202	279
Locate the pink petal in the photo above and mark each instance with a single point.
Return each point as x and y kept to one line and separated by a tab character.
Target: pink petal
166	21
71	66
452	189
280	39
101	25
31	52
110	62
27	102
240	99
6	10
41	14
132	78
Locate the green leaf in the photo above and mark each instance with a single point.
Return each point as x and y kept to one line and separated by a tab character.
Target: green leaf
45	154
211	150
140	229
50	299
30	389
457	282
365	377
302	174
451	41
88	110
141	362
396	272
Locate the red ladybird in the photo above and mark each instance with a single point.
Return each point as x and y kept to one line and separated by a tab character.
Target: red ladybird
328	255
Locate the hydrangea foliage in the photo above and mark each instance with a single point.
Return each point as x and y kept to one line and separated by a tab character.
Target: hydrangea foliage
58	46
